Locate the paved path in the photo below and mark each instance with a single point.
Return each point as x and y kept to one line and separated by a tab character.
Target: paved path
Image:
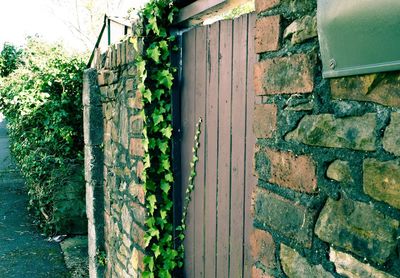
23	251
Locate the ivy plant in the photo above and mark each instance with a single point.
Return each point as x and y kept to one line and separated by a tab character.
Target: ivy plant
155	74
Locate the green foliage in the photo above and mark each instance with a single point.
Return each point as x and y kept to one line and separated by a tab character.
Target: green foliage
42	103
10	59
188	194
155	82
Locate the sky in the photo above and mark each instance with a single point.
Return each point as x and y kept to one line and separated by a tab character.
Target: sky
21	18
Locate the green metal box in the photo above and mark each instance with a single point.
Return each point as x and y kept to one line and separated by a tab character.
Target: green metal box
359	36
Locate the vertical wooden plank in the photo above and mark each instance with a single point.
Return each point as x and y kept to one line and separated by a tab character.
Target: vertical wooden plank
238	145
212	149
224	148
188	108
200	96
251	181
176	140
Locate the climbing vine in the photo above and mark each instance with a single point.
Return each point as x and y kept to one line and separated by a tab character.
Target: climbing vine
155	74
188	194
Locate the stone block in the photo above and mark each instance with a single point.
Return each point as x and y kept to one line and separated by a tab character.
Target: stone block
259	273
339	170
285	75
136	102
359	228
391	139
382	180
263	5
136	125
267	35
382	88
90	93
137	234
295	265
324	130
284	216
264	120
301	29
262	248
349	266
136	147
296	172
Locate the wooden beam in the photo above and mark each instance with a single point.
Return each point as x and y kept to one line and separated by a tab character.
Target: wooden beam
196	8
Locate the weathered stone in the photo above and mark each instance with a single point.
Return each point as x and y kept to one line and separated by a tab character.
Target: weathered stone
391	139
126	219
348	266
136	124
136	102
136	147
262	5
339	170
264	120
287	218
296	266
357	133
382	180
123	126
306	106
286	169
267	35
263	248
259	273
302	29
137	192
285	75
137	234
381	88
359	228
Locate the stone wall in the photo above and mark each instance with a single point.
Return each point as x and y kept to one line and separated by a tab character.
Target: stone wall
327	160
118	127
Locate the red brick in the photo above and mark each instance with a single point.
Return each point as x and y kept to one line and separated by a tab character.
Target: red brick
137	234
139	169
267	35
264	120
263	248
136	147
262	5
259	273
287	170
285	75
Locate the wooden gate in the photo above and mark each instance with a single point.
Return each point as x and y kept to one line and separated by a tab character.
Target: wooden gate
216	84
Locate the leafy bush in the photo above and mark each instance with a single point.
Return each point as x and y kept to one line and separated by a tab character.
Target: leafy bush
41	100
10	59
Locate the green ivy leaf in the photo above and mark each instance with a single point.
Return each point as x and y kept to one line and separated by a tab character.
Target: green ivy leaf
165	186
151	199
149	261
157	118
165	78
167	132
163	146
147	95
154	53
156	250
169	177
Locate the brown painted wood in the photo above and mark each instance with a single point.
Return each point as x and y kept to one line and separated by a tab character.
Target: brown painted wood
238	145
217	85
224	148
251	180
187	115
198	196
212	149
